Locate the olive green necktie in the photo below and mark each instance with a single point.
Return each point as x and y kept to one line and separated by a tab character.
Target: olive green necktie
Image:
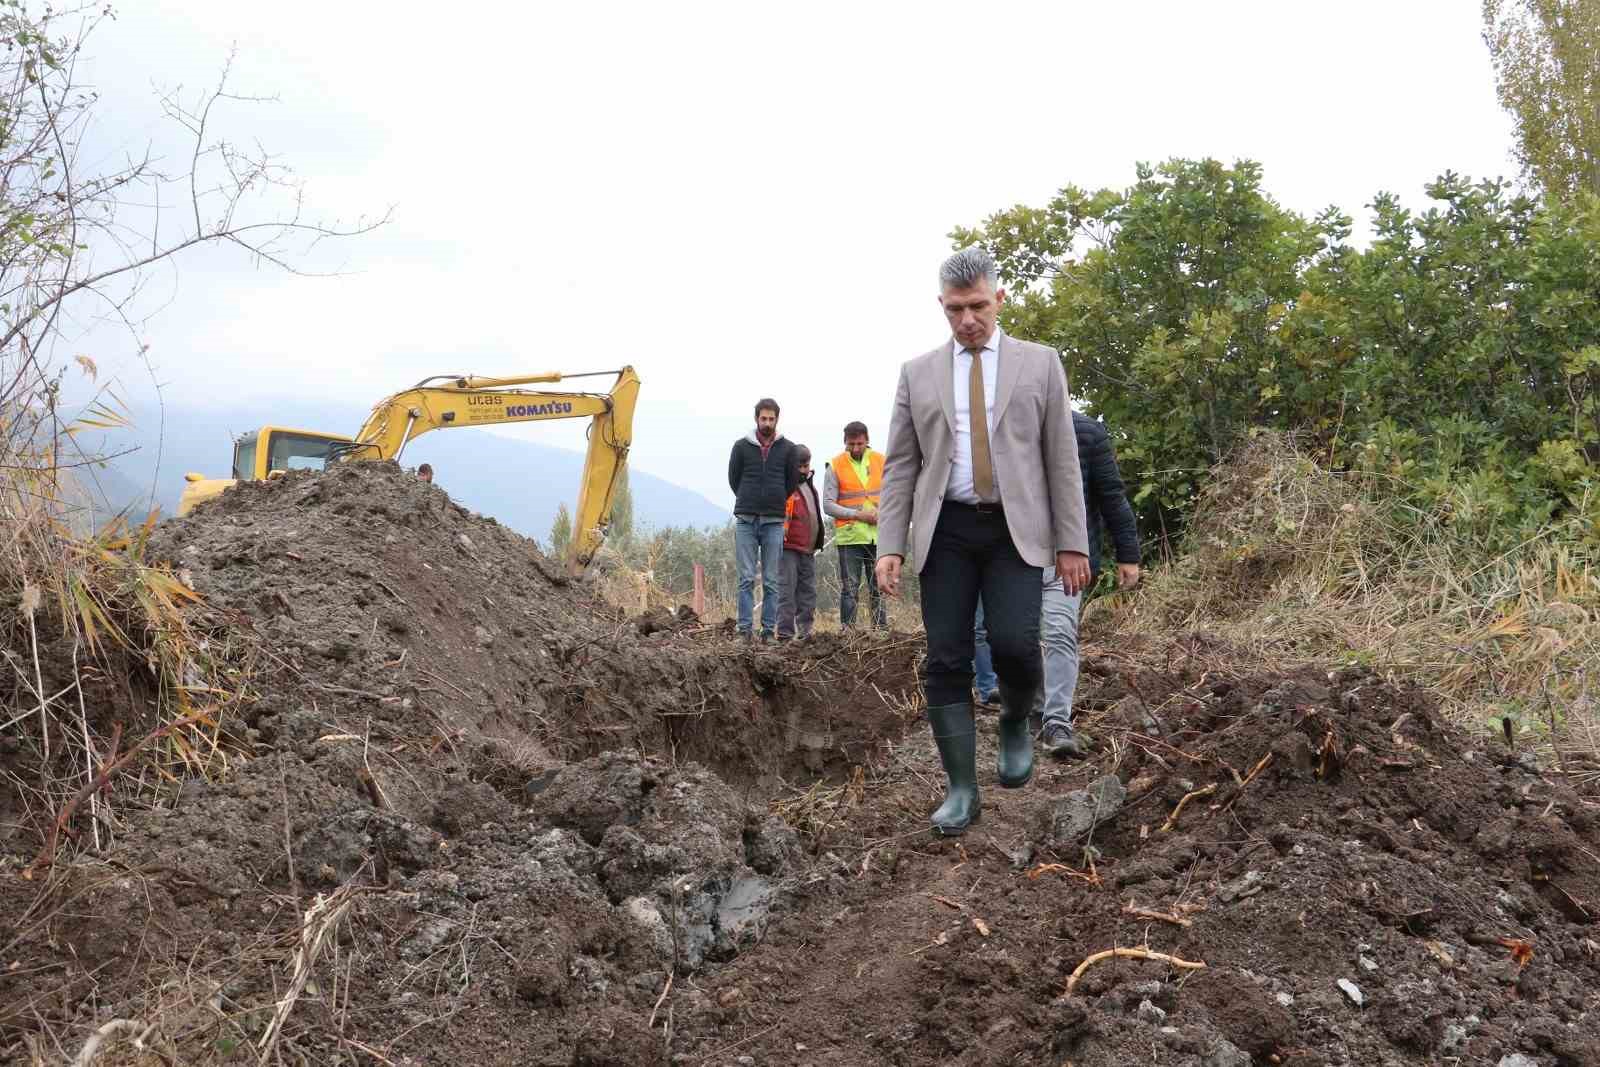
982	465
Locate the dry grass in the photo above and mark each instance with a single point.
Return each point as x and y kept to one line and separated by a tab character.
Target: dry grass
1291	562
102	652
635	591
813	811
180	1005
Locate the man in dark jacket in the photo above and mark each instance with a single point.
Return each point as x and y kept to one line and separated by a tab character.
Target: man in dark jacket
763	471
802	540
1107	497
1108	510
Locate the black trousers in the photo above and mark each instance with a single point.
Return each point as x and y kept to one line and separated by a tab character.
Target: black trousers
971	556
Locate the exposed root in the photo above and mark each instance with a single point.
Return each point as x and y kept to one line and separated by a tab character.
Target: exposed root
1172	820
1132	954
1260	766
1159	916
370	1051
1091	875
110	1032
665	992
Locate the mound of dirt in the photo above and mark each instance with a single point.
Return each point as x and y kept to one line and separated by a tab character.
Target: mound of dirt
523	810
375	592
473	813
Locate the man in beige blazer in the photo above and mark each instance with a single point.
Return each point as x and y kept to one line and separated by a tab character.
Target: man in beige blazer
981	489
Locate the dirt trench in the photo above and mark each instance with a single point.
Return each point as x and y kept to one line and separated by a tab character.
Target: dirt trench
1362	885
473	812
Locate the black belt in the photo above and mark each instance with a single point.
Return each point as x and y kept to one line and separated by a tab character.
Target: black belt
981	509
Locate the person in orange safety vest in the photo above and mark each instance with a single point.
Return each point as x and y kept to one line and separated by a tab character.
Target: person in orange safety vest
850	497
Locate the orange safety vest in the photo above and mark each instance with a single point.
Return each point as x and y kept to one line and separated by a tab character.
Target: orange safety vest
852	494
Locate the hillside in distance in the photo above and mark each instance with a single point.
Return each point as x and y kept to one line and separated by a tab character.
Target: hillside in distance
518	483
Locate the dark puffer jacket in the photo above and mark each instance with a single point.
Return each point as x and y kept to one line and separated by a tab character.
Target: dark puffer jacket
1105	497
761	485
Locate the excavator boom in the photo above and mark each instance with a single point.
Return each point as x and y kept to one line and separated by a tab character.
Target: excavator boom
400	419
479	401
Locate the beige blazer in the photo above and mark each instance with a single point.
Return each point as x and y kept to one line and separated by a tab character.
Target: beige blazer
1034	449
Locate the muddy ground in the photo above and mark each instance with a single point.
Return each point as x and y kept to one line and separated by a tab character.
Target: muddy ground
472	812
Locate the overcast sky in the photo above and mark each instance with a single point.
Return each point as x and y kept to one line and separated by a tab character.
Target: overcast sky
738	199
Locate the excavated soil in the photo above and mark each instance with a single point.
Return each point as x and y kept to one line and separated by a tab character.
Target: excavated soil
1335	833
474	814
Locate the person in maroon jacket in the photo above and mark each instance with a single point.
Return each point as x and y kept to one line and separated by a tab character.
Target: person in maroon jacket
802	540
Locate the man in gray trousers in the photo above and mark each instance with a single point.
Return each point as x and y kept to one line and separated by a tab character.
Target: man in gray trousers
1108	512
1106	499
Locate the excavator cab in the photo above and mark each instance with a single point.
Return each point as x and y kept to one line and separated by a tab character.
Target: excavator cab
265	453
285	450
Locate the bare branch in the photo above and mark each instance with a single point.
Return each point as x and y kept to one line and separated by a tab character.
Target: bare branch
50	207
81	229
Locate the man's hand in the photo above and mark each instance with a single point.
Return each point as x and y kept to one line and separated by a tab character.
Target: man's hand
1127	575
888	575
1073	570
868	516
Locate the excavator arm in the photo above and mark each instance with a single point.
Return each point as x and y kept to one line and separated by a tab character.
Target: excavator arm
437	403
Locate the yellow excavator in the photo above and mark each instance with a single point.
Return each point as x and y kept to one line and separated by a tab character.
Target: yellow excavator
449	401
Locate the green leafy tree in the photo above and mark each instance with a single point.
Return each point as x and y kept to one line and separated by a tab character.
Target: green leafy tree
561	532
1165	300
1458	354
1546	56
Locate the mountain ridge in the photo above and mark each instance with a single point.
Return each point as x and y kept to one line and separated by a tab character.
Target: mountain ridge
519	483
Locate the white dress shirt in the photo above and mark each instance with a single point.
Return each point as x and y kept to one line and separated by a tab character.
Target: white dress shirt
960	487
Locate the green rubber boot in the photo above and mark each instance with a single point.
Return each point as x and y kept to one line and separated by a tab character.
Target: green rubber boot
1014	765
957	738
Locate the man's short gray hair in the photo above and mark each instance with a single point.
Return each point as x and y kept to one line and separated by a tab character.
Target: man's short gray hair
966	267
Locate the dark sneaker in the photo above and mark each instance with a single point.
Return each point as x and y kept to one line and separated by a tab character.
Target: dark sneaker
1063	742
990	700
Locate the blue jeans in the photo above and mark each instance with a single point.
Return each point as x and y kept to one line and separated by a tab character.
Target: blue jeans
982	659
758	540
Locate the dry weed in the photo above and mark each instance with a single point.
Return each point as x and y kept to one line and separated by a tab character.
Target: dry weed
104	655
813	811
1289	561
